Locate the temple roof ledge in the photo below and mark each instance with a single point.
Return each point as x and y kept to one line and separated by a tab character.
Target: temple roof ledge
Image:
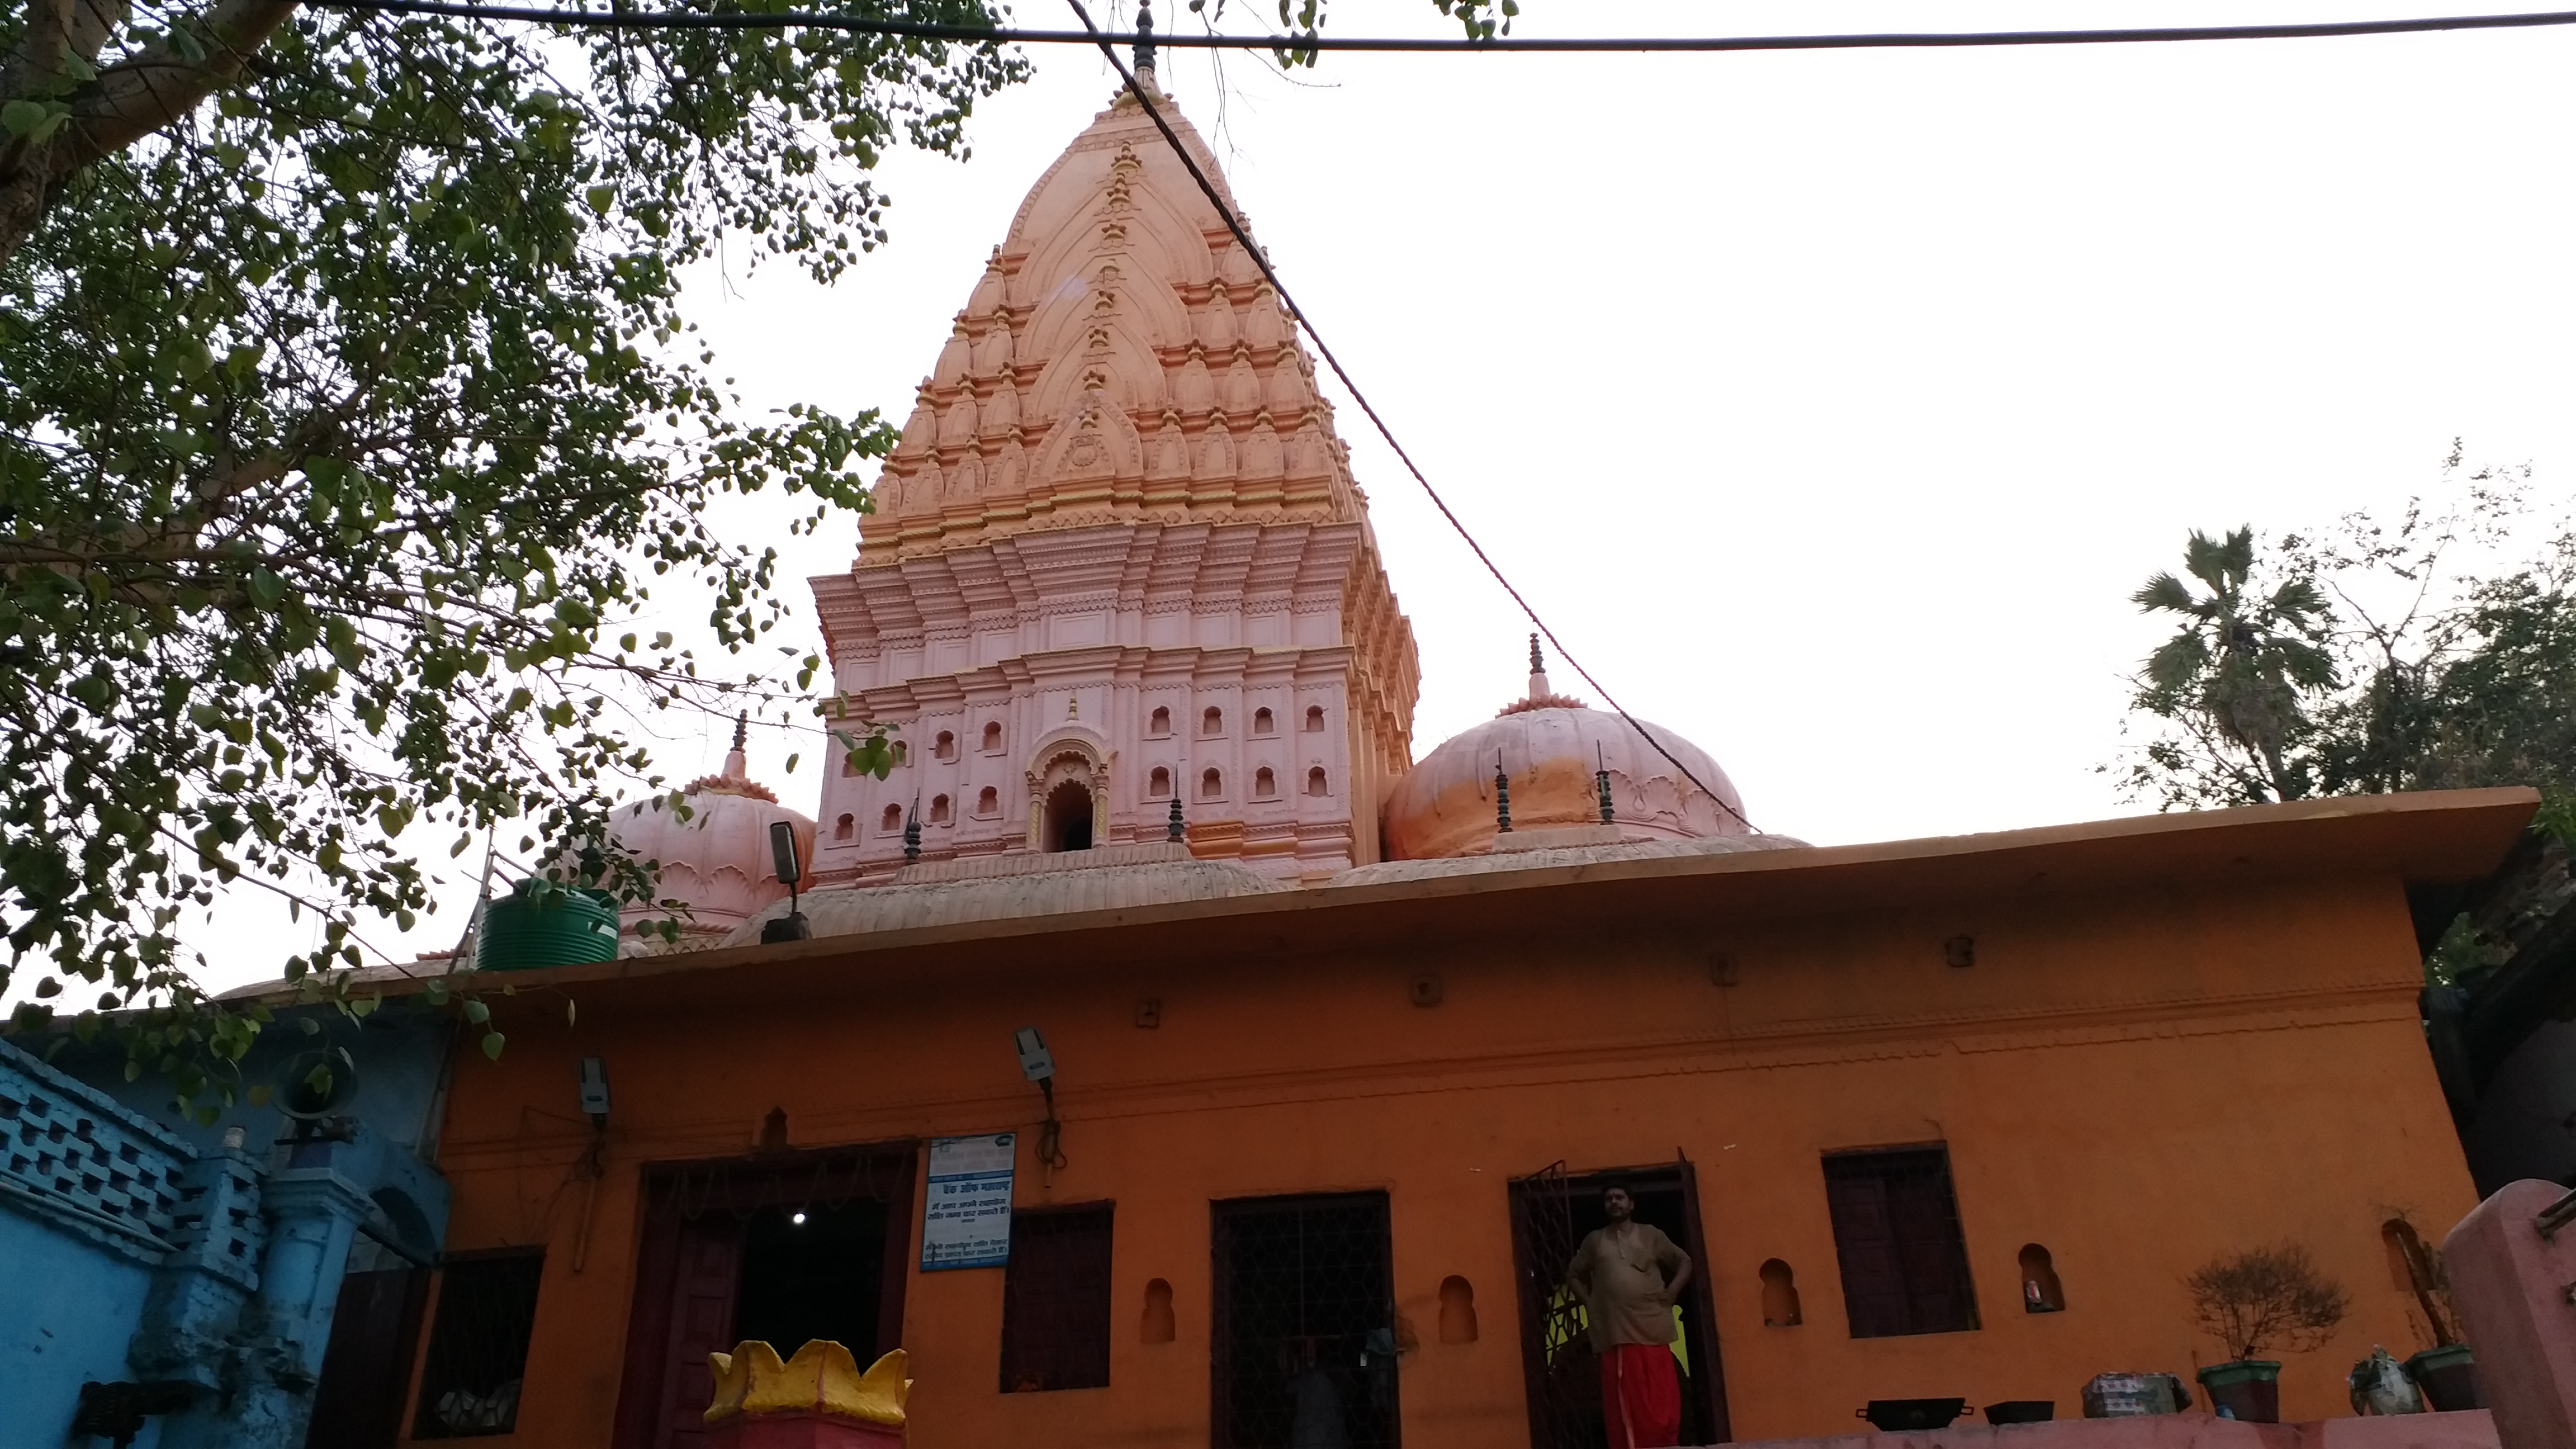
991	867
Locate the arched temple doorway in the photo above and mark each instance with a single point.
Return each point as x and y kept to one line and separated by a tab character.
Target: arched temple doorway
1068	817
1069	793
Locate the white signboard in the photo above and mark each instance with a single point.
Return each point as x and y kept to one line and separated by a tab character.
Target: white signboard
966	1220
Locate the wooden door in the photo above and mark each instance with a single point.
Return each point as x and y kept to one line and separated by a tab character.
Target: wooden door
366	1369
1699	1314
708	1274
689	1268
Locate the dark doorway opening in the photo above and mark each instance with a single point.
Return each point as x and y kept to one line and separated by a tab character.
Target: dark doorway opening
813	1272
1303	1341
1068	817
1552	1211
725	1258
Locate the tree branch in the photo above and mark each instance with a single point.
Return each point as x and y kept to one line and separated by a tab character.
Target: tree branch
126	103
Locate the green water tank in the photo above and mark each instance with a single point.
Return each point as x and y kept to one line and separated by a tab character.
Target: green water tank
534	926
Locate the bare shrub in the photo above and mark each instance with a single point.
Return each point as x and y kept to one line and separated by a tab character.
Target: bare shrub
2265	1298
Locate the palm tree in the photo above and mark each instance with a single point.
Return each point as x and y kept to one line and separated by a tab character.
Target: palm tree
2241	659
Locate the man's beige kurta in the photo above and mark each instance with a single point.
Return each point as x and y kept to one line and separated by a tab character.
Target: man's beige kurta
1621	1271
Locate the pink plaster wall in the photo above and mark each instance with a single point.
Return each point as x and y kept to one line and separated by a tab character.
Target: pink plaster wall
2516	1294
1072	660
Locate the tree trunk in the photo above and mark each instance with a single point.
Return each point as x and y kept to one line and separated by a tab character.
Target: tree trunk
129	100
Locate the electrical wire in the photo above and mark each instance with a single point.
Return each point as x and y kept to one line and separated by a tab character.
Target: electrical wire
1507	44
1243	239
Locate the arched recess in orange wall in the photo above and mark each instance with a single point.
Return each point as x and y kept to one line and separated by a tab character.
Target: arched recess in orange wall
2040	1290
1159	1325
1457	1310
1780	1296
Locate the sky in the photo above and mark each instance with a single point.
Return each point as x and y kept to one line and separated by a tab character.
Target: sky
1828	405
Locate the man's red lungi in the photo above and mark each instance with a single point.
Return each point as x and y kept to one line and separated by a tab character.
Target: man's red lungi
1641	1396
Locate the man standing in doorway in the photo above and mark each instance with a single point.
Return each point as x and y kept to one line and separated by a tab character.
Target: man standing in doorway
1627	1276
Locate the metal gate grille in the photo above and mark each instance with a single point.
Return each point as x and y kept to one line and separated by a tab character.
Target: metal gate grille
478	1345
1557	1369
1303	1349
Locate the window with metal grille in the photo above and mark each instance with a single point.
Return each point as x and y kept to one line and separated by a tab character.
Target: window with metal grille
478	1345
1303	1345
1896	1235
1055	1301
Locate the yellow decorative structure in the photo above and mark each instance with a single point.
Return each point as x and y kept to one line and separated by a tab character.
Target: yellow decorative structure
822	1377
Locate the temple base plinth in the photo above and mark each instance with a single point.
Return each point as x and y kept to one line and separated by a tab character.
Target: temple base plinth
800	1429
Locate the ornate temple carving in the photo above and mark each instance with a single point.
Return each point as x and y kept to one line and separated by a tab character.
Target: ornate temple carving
1118	492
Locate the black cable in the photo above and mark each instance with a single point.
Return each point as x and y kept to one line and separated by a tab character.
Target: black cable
1243	239
1559	45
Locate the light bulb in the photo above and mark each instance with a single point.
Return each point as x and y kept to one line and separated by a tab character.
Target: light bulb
797	1218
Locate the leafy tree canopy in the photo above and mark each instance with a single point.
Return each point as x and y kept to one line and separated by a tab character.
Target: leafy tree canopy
2414	653
348	422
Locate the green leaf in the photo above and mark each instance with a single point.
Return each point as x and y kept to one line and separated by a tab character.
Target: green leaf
492	1042
372	413
477	1012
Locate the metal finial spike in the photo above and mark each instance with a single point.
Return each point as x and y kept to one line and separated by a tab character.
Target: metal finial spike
1537	664
1144	36
1176	830
1601	780
1502	797
912	832
742	729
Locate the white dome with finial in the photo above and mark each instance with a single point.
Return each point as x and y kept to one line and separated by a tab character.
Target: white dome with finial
717	862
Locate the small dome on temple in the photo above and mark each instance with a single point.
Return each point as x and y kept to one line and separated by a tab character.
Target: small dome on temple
718	860
1554	752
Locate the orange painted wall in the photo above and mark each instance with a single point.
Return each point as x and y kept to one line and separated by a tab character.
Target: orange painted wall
2137	1080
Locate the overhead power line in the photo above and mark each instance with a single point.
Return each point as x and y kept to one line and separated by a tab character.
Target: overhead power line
1243	238
1505	44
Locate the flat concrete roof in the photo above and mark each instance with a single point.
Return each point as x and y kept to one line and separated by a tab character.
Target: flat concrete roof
2416	839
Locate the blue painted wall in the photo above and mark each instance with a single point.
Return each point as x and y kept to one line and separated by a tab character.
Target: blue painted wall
108	1271
399	1048
67	1311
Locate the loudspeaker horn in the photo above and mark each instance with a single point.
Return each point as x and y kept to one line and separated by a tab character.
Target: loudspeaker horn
317	1083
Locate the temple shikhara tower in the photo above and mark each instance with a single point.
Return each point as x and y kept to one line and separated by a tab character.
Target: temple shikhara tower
1119	557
